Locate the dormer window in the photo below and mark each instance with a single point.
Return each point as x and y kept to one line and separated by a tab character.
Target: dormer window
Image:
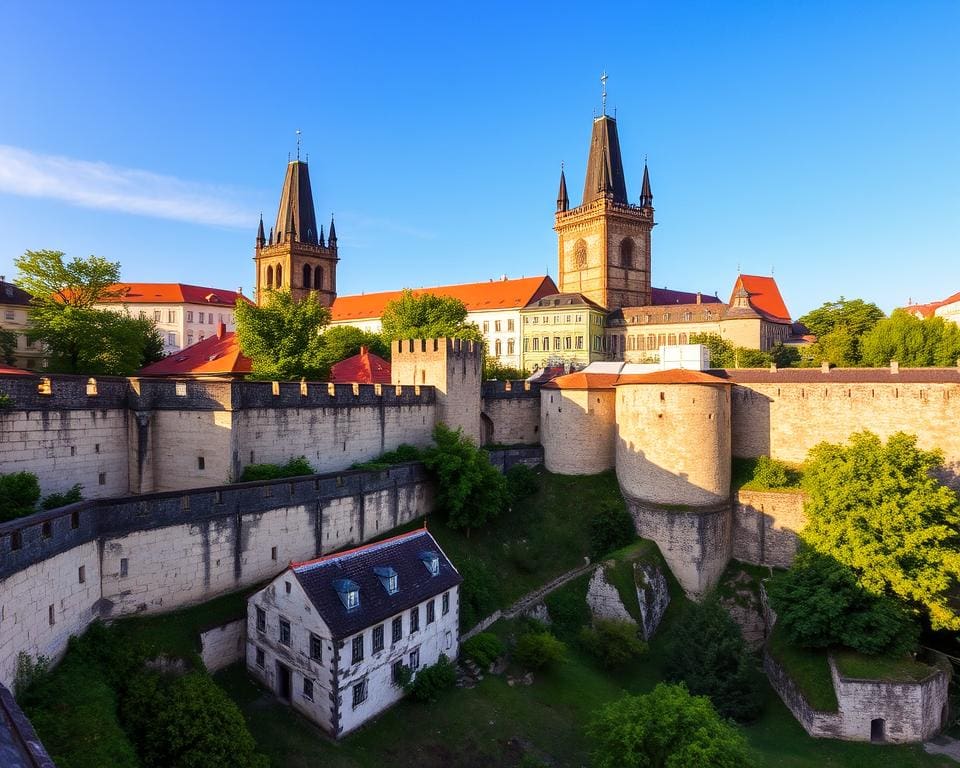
431	562
348	592
388	577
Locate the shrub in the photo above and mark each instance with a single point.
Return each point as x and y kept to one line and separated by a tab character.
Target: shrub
431	681
6	402
522	483
483	649
819	604
771	473
480	592
402	453
706	651
614	643
293	468
55	500
611	527
539	650
19	493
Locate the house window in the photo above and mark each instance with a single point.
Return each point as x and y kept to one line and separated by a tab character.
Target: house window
156	315
284	632
510	347
189	338
431	612
568	342
260	659
357	650
509	325
397	629
579	342
172	339
431	562
536	345
316	648
124	566
556	342
414	619
486	326
189	315
396	671
498	348
415	659
171	316
496	325
261	619
546	343
308	689
210	317
201	336
359	693
388	578
536	319
348	592
445	609
8	314
378	639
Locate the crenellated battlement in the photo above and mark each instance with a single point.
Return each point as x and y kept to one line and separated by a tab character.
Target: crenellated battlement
425	349
514	388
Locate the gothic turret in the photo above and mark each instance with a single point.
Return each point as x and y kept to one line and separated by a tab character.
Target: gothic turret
332	240
261	238
295	217
604	166
563	200
646	196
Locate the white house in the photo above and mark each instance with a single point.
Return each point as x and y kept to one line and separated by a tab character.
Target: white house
329	636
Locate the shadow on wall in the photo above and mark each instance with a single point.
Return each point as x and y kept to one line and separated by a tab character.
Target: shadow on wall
651	483
750	423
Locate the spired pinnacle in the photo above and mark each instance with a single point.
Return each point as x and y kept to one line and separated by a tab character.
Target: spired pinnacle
563	200
646	195
332	240
261	239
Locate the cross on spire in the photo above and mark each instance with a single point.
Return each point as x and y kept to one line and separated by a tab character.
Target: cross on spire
299	139
603	90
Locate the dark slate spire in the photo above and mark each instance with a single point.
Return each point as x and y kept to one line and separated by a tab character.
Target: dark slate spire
321	236
295	217
563	201
604	165
646	196
271	236
261	239
332	240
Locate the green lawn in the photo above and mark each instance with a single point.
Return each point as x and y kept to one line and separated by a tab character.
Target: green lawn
809	669
862	667
744	475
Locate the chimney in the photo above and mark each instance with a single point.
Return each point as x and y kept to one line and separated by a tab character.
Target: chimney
699	297
894	367
364	350
825	367
221	330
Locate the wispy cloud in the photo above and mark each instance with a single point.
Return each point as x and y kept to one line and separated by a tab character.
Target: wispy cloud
108	187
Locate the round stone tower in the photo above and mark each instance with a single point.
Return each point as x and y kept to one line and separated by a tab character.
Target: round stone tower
577	423
673	464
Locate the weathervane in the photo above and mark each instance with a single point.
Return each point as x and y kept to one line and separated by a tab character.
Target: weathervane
603	83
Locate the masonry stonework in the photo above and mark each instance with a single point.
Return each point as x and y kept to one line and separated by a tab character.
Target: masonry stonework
578	427
511	412
766	527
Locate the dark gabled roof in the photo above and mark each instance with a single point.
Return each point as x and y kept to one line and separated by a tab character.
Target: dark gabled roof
11	294
402	553
564	300
604	166
296	216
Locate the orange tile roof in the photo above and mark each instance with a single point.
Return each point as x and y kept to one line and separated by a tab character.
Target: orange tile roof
764	296
364	368
929	309
218	355
581	380
6	370
174	293
673	376
491	295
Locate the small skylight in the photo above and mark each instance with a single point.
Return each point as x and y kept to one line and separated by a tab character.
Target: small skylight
431	561
348	592
388	577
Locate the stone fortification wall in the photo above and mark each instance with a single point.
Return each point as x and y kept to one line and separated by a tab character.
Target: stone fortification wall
783	414
673	443
814	721
162	551
512	410
766	525
531	455
696	543
577	430
222	646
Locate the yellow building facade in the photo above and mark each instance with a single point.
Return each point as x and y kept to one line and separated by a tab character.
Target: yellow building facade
563	329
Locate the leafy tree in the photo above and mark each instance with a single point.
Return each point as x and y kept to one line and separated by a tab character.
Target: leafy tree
494	369
879	510
839	325
839	347
666	728
19	493
343	341
819	604
55	500
480	592
469	488
427	316
614	643
724	354
611	527
293	468
433	680
8	347
784	356
483	649
911	341
78	337
283	337
539	650
706	651
522	483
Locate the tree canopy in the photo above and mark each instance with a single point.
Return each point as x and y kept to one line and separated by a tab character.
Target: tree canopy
879	509
283	337
78	337
724	354
839	326
911	341
343	341
666	728
427	316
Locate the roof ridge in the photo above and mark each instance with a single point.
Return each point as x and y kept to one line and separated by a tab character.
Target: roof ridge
307	565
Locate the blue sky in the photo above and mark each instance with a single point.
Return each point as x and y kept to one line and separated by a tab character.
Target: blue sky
817	139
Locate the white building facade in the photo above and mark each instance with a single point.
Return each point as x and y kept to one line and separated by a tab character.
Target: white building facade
330	636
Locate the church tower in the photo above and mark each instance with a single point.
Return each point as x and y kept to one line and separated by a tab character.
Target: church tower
294	256
604	244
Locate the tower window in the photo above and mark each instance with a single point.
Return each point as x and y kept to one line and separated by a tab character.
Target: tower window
318	277
269	278
626	253
279	277
306	276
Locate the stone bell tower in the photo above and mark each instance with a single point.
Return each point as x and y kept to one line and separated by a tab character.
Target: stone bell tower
603	245
296	256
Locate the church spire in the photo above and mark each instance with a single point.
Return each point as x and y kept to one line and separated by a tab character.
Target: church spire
261	238
604	165
332	240
646	196
295	216
563	200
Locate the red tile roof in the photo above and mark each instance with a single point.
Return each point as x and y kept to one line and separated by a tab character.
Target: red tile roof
930	308
581	380
364	368
673	376
218	355
6	370
764	296
174	293
491	295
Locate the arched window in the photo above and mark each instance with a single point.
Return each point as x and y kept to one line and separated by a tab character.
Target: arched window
306	276
626	253
651	341
683	338
672	339
318	277
269	278
279	277
498	347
